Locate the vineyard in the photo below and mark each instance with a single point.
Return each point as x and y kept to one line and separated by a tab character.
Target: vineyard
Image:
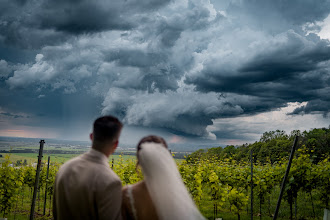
220	188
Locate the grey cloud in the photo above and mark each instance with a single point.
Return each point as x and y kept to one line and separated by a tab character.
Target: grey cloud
278	16
82	16
153	69
299	11
137	58
314	106
29	37
163	62
59	67
169	36
26	75
5	69
33	24
146	5
285	69
19	28
229	131
164	29
11	115
183	111
297	54
198	15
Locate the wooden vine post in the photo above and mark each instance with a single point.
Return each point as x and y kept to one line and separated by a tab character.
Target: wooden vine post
285	177
42	142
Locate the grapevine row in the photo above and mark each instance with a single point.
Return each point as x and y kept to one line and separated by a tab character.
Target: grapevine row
223	185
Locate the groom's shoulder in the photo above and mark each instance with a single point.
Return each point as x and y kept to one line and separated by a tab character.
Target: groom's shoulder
68	166
107	175
71	162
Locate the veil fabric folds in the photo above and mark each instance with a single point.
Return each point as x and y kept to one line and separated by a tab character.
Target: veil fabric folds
165	185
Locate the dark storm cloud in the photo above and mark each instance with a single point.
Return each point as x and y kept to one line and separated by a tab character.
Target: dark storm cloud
19	26
314	106
297	54
177	65
28	36
33	24
82	16
288	68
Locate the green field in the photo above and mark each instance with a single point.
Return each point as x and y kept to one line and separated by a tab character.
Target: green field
54	158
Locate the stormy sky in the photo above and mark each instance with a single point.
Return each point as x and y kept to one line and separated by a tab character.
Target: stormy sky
194	71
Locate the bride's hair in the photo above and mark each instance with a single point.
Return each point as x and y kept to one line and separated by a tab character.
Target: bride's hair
150	139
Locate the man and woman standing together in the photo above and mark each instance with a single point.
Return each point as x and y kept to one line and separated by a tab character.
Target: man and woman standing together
86	187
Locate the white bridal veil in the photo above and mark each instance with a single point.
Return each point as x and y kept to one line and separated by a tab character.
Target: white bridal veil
164	183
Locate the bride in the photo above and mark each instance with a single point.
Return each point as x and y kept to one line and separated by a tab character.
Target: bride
162	194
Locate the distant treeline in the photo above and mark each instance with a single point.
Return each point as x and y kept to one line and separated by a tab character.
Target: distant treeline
55	151
44	151
272	146
177	155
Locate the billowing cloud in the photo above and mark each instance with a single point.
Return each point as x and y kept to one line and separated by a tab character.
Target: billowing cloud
26	75
181	111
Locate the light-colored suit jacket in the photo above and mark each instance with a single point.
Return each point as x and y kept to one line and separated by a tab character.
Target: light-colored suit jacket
86	188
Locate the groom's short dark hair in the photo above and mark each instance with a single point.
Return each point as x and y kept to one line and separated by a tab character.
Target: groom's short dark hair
106	129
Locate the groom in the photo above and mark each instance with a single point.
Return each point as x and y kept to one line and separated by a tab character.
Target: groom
86	187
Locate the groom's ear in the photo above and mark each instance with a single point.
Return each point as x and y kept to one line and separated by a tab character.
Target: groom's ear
115	145
91	136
